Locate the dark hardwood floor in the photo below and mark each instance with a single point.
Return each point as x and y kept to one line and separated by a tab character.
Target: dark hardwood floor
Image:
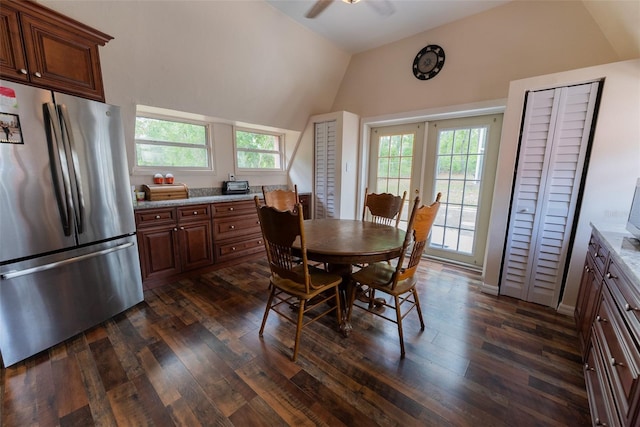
190	355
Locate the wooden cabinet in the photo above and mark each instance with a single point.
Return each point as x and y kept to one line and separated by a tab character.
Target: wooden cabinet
43	48
608	316
173	240
590	291
236	230
305	201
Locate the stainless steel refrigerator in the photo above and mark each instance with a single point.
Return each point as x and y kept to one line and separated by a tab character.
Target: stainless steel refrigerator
68	251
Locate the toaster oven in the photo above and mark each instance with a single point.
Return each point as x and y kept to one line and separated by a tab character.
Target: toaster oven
235	187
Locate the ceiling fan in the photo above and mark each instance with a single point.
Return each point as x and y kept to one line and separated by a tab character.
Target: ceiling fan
383	7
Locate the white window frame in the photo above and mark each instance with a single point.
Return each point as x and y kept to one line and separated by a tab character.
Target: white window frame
174	118
261	171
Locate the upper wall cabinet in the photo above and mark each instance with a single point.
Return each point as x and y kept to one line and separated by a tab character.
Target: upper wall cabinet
43	48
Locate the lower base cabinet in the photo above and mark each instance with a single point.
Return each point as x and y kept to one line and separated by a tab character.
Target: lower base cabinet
608	320
236	231
173	240
177	240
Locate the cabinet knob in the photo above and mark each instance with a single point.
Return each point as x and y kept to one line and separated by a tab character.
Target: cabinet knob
596	255
611	276
586	268
23	71
181	228
600	423
37	74
232	227
588	368
195	212
601	319
233	248
259	242
175	229
627	307
230	209
615	363
157	217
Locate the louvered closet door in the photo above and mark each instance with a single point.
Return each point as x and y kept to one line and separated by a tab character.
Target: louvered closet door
555	137
325	170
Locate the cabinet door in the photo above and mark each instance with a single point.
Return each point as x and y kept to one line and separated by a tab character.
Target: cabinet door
13	64
196	245
587	305
61	60
158	252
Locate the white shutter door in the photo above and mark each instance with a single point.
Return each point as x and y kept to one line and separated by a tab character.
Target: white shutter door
555	137
559	202
325	163
538	130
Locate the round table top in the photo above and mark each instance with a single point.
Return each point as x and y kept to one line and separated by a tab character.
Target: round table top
343	241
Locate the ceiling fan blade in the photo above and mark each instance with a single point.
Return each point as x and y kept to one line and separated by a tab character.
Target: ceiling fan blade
317	8
383	7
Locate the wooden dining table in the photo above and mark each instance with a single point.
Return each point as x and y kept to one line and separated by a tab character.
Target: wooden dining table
342	243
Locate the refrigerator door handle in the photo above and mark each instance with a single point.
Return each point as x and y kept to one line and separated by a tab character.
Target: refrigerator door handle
64	114
17	273
59	163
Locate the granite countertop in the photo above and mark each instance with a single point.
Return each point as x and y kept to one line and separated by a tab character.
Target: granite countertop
194	201
622	245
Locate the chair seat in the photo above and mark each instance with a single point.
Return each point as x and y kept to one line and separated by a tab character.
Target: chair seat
380	276
321	280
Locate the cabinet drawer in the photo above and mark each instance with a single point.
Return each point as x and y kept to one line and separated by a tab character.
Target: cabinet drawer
600	257
601	403
154	217
235	249
237	226
242	207
619	352
626	296
194	213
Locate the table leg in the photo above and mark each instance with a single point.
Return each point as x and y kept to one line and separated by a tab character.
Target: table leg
343	270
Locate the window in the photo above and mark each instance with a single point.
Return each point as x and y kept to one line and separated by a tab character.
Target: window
258	150
172	144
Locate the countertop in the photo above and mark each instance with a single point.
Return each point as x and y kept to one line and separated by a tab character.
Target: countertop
194	201
623	246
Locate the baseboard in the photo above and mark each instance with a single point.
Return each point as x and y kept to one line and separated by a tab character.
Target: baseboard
567	310
489	289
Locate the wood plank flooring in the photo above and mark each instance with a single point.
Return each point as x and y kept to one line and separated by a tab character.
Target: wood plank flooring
190	355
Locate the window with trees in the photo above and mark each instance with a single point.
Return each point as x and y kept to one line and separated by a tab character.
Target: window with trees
172	144
260	151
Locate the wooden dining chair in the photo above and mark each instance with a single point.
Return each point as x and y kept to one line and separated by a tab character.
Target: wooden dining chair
399	280
293	283
284	200
383	208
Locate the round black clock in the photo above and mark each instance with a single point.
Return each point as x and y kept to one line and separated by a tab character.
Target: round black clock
428	62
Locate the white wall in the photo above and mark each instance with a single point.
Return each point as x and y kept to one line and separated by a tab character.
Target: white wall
483	52
613	168
234	60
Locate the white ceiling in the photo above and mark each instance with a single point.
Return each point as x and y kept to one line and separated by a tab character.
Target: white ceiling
359	27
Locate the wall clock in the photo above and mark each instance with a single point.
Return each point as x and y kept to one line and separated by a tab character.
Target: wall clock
428	62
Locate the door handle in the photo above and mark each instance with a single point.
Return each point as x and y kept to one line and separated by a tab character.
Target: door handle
64	115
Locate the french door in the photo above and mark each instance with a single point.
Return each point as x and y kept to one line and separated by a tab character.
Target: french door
396	162
459	160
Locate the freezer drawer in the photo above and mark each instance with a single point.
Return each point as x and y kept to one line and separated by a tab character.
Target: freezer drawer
47	300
